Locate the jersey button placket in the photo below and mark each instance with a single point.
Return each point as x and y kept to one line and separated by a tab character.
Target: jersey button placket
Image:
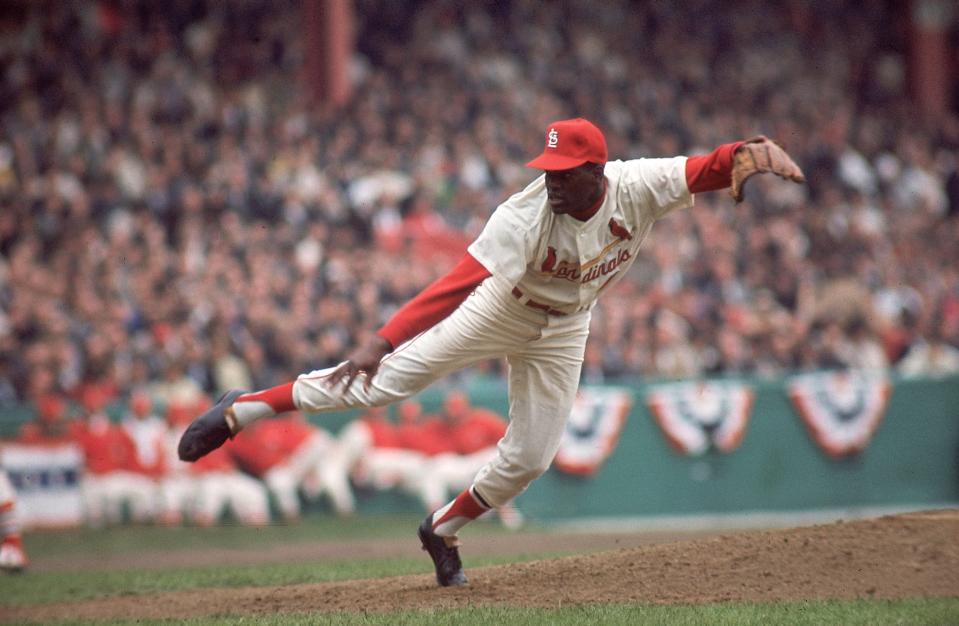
584	258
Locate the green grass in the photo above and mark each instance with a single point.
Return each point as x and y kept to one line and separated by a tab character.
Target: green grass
46	587
924	612
130	539
43	588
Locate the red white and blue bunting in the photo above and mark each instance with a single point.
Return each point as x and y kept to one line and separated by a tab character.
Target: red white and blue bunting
841	410
47	480
697	416
592	430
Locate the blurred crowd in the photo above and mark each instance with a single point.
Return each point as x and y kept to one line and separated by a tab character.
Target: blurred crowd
177	215
131	471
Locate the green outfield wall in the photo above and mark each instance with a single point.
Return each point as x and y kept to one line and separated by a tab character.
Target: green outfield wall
912	460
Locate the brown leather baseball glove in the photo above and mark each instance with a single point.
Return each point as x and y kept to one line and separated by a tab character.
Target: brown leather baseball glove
757	155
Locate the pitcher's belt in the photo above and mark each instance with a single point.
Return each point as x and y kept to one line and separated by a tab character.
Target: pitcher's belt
545	308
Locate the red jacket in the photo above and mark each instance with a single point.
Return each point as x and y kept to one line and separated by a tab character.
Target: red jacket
383	433
217	461
269	442
428	436
106	447
478	430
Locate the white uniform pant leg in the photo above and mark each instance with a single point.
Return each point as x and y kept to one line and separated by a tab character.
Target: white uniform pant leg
244	495
104	495
481	328
319	469
416	479
93	500
429	485
211	498
354	441
7	494
283	485
248	499
388	468
177	495
396	468
458	471
304	463
285	479
9	520
369	472
543	379
334	479
139	492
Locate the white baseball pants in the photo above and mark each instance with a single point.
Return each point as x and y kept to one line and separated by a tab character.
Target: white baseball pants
455	472
544	352
308	470
9	520
387	468
104	495
243	494
177	495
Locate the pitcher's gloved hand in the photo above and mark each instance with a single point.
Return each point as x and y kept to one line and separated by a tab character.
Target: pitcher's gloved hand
758	155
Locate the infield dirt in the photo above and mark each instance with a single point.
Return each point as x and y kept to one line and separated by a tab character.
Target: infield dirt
903	556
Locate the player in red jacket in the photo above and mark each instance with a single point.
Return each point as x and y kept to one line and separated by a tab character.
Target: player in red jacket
203	490
178	489
289	454
112	476
382	455
358	443
148	432
473	429
422	433
429	438
50	426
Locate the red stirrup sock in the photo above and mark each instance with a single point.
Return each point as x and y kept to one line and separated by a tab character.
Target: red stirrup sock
253	406
458	513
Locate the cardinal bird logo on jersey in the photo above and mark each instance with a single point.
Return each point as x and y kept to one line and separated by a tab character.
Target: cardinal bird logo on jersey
619	231
550	261
565	269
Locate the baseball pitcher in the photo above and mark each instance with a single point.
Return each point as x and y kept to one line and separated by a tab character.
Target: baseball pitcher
523	290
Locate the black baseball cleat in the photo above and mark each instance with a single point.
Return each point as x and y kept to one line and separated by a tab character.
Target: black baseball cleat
209	431
446	559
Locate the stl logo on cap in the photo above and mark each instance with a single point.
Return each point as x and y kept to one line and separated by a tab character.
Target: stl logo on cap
583	142
552	139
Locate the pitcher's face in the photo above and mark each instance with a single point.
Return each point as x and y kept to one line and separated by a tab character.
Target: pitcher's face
575	189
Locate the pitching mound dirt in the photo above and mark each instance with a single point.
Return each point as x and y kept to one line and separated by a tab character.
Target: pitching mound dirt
913	555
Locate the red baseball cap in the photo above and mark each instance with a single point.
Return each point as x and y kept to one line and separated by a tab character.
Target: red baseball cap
569	144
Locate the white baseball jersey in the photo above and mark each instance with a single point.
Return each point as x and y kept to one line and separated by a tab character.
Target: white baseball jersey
565	263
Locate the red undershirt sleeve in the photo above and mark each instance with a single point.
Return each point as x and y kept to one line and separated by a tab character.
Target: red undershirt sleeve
435	302
711	171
